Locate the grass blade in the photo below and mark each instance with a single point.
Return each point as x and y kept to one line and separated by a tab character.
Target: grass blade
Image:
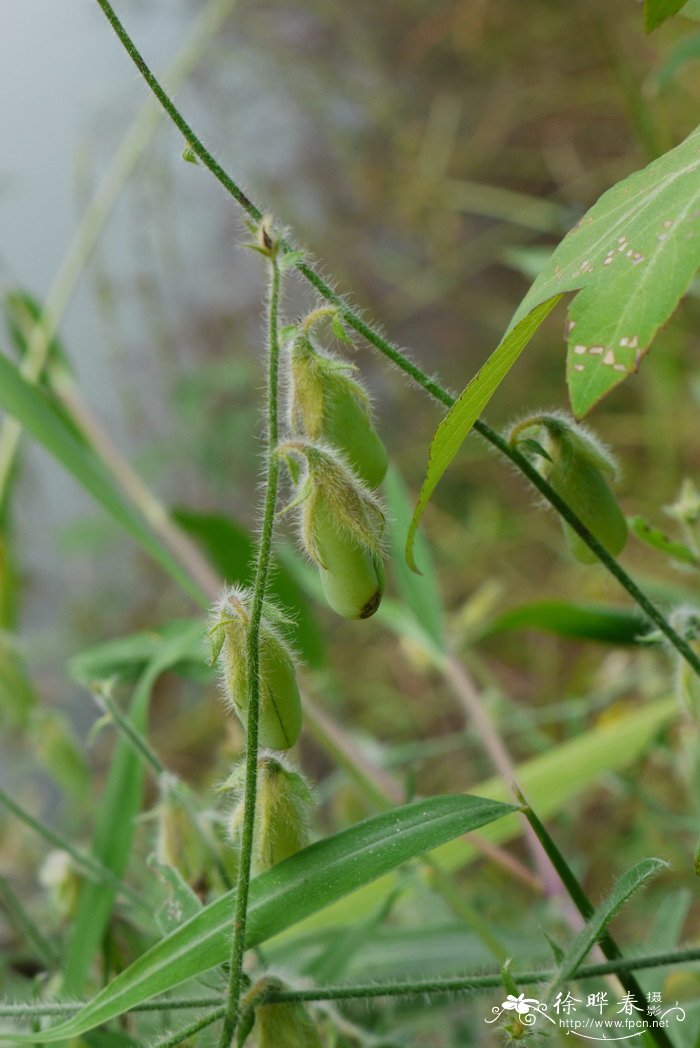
33	409
289	892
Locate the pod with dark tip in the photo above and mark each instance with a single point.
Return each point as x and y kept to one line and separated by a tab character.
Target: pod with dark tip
352	575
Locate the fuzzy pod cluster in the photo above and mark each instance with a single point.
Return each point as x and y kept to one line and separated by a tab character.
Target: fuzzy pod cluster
279	718
579	468
343	463
283	800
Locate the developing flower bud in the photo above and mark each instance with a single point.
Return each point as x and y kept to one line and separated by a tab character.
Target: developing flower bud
327	403
178	843
576	465
279	720
341	529
281	810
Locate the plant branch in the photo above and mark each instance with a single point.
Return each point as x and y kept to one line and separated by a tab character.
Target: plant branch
448	984
185	1032
396	355
232	1013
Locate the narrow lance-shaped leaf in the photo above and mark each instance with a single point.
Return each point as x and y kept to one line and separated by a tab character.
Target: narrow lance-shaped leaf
630	258
628	884
455	426
116	820
34	411
301	885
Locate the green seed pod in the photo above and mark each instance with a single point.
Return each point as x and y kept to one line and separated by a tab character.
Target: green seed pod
281	811
327	403
352	575
341	529
279	719
576	466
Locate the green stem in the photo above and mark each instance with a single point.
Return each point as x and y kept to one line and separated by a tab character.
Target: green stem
232	1013
147	754
585	907
448	984
45	949
186	1032
394	354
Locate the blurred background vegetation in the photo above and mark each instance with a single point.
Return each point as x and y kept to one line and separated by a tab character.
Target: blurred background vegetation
429	154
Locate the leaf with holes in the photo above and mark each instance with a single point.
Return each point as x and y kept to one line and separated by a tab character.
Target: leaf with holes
630	258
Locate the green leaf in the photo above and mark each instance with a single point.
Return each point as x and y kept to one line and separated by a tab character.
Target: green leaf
456	424
127	657
630	258
115	826
658	539
657	11
111	845
598	622
230	550
420	592
289	892
550	781
35	412
628	884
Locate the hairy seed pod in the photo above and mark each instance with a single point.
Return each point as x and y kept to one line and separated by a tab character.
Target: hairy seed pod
576	466
352	575
341	528
279	719
329	404
281	811
583	487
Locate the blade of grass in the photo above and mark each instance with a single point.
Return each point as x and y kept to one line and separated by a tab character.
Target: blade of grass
30	406
115	827
283	896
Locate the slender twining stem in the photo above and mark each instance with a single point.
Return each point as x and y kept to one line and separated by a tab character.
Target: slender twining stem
446	984
585	907
397	356
186	1032
262	569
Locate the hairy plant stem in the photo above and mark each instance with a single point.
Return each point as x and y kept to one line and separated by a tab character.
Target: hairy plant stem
394	354
262	569
446	984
